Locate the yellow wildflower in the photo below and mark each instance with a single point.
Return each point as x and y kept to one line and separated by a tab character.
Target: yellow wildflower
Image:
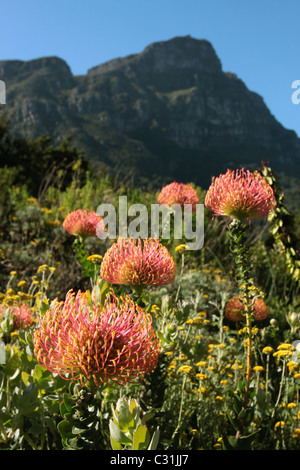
22	284
296	433
285	346
155	309
10	291
94	258
186	369
181	248
267	350
282	353
201	364
292	366
258	368
43	268
194	321
201	376
202	314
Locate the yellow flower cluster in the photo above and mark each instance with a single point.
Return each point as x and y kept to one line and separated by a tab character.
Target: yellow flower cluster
284	350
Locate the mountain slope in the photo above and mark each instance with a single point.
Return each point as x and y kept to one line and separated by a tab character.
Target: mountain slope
169	112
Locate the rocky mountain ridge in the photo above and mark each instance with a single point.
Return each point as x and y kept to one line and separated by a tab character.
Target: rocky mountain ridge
169	112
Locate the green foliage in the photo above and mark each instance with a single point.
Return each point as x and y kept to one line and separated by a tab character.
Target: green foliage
196	394
283	227
128	430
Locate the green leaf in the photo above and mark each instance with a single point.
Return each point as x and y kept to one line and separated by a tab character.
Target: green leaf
141	438
115	445
27	402
117	435
65	406
12	365
65	430
154	441
2	353
125	418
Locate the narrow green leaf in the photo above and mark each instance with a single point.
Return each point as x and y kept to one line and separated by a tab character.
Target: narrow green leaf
155	439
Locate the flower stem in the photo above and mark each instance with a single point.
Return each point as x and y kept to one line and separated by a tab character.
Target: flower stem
241	255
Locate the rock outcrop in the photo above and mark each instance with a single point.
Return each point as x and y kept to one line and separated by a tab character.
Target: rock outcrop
169	112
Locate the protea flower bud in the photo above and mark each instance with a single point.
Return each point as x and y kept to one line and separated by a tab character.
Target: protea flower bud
235	307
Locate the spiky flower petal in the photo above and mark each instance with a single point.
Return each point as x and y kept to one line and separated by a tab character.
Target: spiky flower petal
240	195
84	223
81	340
137	263
178	193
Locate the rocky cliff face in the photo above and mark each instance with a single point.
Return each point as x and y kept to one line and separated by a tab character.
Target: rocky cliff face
170	112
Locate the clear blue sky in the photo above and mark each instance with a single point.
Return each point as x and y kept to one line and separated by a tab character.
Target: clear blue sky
259	40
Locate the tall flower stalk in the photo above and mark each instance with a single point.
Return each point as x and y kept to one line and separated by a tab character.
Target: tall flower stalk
238	235
241	195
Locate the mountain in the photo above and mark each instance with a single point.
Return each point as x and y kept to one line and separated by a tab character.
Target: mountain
169	112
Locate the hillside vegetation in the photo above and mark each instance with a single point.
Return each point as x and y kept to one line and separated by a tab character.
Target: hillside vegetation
197	392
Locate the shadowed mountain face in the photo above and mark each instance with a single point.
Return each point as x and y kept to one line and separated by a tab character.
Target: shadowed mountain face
167	113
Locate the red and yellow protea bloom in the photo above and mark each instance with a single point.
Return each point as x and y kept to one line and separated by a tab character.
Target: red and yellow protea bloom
240	195
178	193
84	223
138	263
22	315
235	309
83	341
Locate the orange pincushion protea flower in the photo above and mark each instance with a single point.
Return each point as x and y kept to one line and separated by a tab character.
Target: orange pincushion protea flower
137	263
234	309
240	195
178	193
80	340
84	223
22	316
